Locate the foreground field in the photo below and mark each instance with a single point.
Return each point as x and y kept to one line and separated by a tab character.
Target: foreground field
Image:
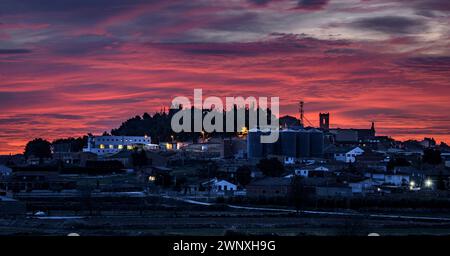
172	217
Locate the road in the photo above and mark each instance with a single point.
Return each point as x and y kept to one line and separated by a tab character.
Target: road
333	213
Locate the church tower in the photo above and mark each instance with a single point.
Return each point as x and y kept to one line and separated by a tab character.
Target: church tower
324	121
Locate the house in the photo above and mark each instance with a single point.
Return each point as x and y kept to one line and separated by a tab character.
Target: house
389	178
215	185
74	158
446	158
397	179
307	172
269	187
124	156
289	160
428	143
5	171
302	172
348	155
27	181
33	160
223	185
363	186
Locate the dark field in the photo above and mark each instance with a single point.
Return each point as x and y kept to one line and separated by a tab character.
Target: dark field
157	216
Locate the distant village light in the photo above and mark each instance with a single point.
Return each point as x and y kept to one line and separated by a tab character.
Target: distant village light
428	183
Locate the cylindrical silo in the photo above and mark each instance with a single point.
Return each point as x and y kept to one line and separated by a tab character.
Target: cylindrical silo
288	143
316	143
254	146
303	143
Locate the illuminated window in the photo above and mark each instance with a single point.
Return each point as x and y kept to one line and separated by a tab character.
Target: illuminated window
129	147
111	146
120	147
102	146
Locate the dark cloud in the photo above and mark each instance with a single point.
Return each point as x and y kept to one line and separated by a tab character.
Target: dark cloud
80	45
438	5
62	116
28	98
281	43
27	118
342	51
259	2
311	4
68	12
14	51
391	24
218	51
66	6
428	63
380	112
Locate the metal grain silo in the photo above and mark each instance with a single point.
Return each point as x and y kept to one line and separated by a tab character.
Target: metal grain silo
269	148
316	143
303	143
254	145
288	143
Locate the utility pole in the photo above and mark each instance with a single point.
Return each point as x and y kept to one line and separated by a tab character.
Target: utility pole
301	113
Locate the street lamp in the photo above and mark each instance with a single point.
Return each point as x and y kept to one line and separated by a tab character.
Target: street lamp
428	183
412	184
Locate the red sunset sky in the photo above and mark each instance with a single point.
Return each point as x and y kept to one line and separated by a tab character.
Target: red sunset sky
72	67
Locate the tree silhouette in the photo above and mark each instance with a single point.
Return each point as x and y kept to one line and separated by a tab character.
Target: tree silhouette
243	175
271	167
39	148
139	158
298	194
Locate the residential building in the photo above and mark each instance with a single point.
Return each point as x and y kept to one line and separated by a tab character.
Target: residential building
348	155
107	145
363	186
269	187
219	186
5	170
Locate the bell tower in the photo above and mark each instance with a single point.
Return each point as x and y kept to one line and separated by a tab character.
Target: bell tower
324	121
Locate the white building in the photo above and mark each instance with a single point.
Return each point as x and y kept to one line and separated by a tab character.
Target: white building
301	172
219	186
348	155
223	185
395	179
107	145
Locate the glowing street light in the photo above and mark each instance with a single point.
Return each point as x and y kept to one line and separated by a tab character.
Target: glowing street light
412	184
428	183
